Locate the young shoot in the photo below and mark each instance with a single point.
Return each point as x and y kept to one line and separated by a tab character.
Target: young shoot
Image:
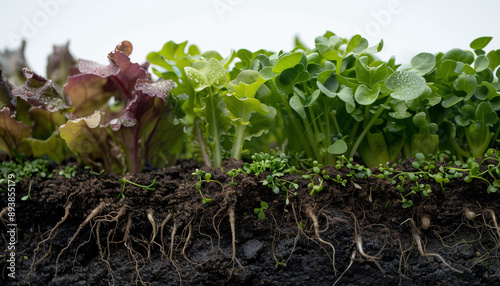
124	181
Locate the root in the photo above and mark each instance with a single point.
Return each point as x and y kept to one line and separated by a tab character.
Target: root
495	224
93	214
232	222
2	213
314	218
67	208
416	237
188	238
153	223
353	258
172	240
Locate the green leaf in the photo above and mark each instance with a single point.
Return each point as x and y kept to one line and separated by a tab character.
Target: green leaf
365	95
370	75
481	63
261	215
353	43
466	83
423	63
459	55
338	147
312	98
296	104
494	59
204	74
54	147
89	140
407	85
287	61
247	83
447	70
480	43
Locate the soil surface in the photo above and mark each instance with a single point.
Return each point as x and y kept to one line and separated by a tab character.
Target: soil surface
76	232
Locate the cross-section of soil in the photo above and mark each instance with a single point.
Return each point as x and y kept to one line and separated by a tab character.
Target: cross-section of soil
76	232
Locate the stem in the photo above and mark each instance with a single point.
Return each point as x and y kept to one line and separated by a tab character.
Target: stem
238	142
217	152
365	130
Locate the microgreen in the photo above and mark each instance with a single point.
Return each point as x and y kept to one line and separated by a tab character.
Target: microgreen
203	177
260	211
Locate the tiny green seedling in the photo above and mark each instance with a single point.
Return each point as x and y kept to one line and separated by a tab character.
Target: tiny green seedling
28	196
124	181
68	172
91	171
260	211
233	173
203	177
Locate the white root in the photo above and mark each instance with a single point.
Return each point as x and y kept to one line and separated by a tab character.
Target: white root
418	241
93	214
153	223
494	221
314	219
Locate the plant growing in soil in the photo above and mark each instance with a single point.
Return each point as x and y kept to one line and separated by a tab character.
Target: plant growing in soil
260	211
124	182
203	177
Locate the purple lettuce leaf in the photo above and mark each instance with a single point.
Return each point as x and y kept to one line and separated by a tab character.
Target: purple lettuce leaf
129	107
41	92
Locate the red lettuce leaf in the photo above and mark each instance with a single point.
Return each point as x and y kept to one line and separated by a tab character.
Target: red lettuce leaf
60	64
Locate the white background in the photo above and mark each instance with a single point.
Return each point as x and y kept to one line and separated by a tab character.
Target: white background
95	27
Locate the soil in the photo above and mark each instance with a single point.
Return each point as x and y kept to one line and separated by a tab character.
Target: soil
168	237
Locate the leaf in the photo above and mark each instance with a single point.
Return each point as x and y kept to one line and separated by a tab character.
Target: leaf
261	215
494	59
338	147
204	74
466	83
287	61
370	75
296	104
12	133
54	147
41	92
247	83
426	141
480	43
91	142
353	43
407	85
365	95
481	63
423	63
459	55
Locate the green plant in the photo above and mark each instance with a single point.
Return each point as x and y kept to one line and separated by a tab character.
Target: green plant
260	211
203	177
278	167
233	173
124	182
28	196
91	171
68	172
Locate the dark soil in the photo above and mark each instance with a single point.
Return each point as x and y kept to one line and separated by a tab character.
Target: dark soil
120	246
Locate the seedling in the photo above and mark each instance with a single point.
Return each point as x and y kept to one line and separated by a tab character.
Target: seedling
203	177
91	171
260	211
124	181
233	173
68	172
28	196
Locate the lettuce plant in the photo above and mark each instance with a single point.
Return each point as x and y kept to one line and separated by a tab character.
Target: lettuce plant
117	109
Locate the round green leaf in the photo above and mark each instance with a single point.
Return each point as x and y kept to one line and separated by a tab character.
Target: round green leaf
338	147
406	85
423	63
365	95
482	63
